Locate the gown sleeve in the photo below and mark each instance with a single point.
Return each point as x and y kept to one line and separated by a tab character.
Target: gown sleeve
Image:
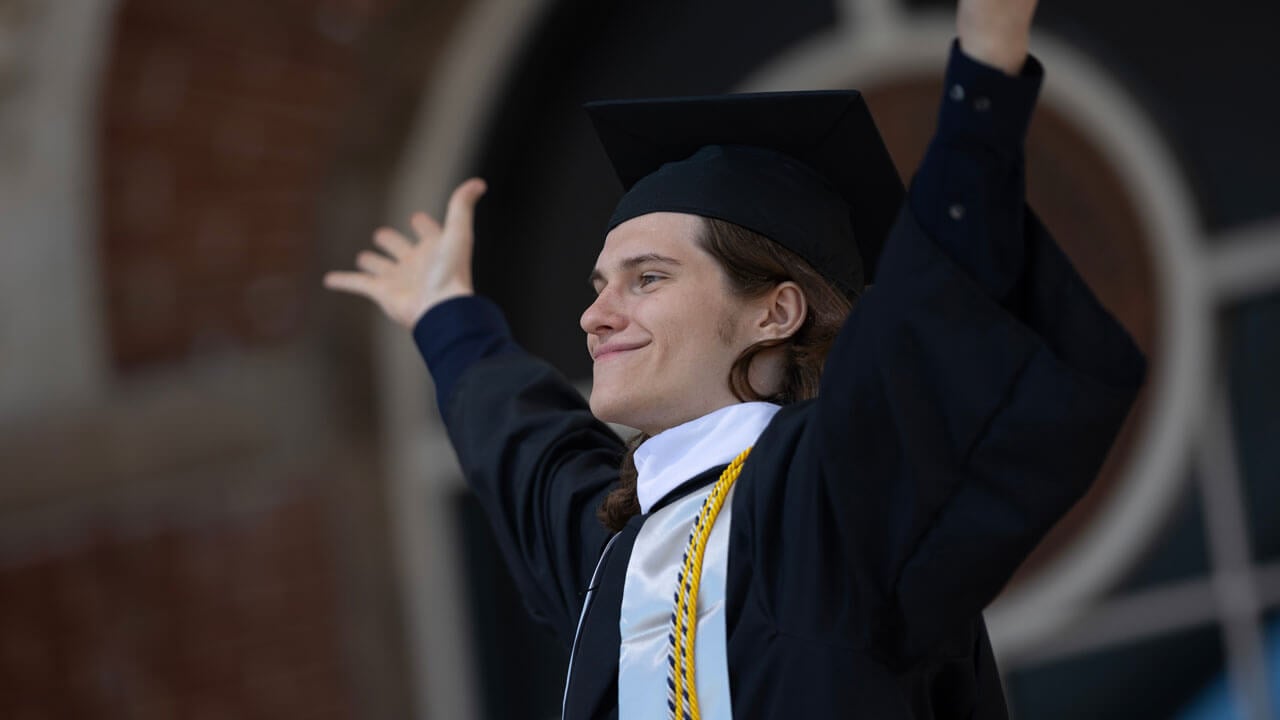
530	449
975	391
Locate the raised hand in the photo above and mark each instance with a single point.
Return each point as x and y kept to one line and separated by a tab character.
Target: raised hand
996	32
412	277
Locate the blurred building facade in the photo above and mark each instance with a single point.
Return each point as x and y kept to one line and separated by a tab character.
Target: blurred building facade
226	495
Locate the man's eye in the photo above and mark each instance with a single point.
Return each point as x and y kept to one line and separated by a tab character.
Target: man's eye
648	278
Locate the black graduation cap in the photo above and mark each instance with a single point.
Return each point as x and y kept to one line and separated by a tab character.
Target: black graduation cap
805	169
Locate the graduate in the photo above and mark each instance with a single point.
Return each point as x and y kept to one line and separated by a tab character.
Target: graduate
859	408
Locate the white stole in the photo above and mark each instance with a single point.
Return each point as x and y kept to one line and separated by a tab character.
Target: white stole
647	604
663	462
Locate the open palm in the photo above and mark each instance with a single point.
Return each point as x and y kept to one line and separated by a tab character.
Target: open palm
411	277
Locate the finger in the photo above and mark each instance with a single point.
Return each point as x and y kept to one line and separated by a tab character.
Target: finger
373	263
395	244
425	225
352	282
462	204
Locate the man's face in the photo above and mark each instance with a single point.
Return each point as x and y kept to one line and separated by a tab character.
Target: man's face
665	328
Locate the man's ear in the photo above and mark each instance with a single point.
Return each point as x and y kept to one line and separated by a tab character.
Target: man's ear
785	310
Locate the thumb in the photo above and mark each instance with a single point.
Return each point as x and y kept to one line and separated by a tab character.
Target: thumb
462	204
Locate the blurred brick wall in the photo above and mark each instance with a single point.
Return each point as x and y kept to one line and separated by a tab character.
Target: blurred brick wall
226	616
220	123
211	540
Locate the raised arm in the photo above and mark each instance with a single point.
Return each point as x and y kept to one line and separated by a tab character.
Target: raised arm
996	32
968	194
528	446
977	388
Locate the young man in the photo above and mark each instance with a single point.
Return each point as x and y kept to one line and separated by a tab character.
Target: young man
841	568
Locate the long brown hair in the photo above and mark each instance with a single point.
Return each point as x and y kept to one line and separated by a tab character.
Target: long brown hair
754	264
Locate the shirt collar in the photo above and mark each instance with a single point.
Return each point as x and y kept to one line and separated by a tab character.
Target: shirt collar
675	455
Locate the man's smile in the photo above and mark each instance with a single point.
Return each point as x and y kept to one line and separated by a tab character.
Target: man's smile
614	348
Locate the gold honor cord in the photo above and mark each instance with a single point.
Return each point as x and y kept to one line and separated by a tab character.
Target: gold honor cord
682	691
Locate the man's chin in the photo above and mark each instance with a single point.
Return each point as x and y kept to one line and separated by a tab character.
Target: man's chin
604	409
613	411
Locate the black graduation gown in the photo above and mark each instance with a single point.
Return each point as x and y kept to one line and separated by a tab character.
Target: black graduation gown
966	405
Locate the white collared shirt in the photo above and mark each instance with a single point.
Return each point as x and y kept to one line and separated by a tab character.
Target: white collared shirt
675	455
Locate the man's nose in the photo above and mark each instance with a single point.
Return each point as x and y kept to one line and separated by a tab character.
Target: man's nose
603	315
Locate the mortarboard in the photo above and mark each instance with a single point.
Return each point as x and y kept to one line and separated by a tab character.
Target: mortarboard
806	169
